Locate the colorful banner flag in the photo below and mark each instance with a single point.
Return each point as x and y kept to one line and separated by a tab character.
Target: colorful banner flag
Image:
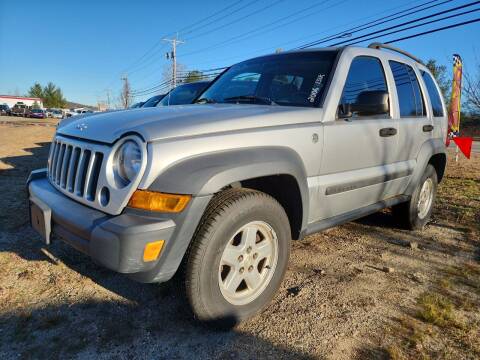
455	98
463	143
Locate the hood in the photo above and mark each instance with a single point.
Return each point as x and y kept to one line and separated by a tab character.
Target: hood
183	120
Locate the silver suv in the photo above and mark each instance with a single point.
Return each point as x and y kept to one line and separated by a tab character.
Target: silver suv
278	147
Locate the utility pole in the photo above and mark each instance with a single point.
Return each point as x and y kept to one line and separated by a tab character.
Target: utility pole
173	56
126	93
108	99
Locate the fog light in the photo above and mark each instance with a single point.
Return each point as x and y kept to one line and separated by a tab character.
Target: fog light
156	201
152	250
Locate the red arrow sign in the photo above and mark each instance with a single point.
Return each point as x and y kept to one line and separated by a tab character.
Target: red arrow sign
464	144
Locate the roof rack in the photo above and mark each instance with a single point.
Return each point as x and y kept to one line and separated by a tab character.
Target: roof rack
377	45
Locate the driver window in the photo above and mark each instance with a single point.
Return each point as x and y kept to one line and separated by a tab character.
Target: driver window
365	79
243	84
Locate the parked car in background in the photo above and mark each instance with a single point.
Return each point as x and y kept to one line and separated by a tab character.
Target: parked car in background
153	101
57	114
184	94
49	112
19	109
36	114
137	105
75	112
5	109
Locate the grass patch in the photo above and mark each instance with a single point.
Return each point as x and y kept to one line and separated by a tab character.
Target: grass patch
437	310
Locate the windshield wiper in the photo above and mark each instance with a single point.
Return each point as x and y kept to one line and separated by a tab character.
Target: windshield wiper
253	98
205	101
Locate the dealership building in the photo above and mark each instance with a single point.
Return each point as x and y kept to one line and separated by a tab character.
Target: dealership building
12	100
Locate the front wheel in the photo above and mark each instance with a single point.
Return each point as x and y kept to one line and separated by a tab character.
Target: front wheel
238	257
416	212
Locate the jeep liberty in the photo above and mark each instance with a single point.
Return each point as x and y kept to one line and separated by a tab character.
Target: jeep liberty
276	148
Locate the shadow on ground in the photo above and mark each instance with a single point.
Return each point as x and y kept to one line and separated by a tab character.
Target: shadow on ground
127	320
13	209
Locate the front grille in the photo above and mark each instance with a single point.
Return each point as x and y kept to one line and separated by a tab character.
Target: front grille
83	171
75	167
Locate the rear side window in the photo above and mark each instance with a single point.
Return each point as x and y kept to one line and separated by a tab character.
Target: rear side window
408	90
437	107
365	74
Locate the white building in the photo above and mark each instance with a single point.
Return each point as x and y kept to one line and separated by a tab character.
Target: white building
12	100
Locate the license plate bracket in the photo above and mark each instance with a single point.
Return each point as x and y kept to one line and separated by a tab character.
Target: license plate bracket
41	218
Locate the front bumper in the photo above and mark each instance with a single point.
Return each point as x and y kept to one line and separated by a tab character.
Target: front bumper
118	242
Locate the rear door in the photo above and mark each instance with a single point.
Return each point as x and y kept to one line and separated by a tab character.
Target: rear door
414	121
438	113
359	153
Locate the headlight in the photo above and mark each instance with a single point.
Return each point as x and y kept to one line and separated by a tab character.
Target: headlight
128	161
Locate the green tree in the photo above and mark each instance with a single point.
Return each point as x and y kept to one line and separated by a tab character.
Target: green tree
35	105
36	91
53	96
440	74
193	76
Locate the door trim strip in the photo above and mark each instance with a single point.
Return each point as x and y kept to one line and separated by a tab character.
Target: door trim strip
353	185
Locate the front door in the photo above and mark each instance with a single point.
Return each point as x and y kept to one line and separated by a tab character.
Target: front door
358	165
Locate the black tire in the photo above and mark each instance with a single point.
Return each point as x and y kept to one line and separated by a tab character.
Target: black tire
226	214
408	213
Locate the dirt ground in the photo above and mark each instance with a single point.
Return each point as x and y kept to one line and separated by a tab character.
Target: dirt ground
365	290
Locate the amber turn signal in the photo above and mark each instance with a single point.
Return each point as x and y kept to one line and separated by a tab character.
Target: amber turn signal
156	201
152	250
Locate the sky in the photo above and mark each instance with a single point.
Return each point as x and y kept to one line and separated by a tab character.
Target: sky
85	47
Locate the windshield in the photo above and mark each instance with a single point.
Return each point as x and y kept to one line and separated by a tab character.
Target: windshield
183	94
295	79
37	111
153	101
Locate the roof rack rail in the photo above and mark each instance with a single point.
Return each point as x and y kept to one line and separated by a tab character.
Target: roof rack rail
377	45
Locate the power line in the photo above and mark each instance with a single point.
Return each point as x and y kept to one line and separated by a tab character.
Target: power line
148	54
433	31
237	20
224	16
189	26
401	39
153	60
364	26
408	22
241	37
380	21
418	25
256	51
388	18
208	17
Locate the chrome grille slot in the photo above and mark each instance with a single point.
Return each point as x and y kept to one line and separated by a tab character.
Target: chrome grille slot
74	167
66	161
58	168
91	186
82	172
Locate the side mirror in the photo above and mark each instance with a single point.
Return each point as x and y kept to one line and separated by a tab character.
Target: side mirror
371	103
345	110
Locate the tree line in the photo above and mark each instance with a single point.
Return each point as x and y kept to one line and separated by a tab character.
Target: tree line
51	95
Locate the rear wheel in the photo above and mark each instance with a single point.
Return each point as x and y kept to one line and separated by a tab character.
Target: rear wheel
238	257
416	212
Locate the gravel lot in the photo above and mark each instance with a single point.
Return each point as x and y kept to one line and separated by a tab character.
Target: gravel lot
367	289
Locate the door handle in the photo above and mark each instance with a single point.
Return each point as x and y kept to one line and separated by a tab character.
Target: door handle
385	132
427	128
